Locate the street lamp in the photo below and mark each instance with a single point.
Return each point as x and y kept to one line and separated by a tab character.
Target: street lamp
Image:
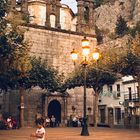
85	62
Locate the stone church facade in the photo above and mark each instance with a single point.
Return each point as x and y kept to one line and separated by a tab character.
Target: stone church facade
54	30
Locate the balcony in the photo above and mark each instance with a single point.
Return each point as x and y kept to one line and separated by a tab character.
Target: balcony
131	97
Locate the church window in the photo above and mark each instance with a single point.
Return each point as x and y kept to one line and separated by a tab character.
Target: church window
52	20
86	14
42	15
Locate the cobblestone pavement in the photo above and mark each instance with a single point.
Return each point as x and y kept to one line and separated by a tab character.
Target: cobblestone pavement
72	134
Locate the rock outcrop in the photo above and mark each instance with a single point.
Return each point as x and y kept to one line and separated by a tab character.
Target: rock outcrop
106	18
106	15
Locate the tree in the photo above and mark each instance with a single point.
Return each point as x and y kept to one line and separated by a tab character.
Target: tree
14	51
126	60
17	70
121	26
129	62
96	79
99	35
42	75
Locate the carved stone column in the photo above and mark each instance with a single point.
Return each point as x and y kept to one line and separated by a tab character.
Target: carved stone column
48	9
80	14
58	6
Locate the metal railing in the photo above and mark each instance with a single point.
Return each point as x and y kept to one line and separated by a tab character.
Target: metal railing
131	97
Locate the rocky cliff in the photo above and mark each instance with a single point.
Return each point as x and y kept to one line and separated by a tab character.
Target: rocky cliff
106	17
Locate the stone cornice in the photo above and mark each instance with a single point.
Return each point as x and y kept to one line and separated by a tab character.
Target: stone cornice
59	30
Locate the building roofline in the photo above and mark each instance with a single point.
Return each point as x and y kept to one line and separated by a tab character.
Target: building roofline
67	7
59	30
129	81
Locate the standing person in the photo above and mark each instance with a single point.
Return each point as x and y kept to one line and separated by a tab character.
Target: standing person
47	121
40	132
53	121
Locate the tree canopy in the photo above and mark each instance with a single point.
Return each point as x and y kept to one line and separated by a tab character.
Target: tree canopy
42	75
95	78
18	69
126	60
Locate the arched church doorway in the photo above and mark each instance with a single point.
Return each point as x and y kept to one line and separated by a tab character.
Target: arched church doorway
54	108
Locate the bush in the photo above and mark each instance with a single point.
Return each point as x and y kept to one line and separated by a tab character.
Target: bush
121	27
2	125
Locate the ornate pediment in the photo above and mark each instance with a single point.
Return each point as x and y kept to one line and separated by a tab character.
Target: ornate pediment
65	94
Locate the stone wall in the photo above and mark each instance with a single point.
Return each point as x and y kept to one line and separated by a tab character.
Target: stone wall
55	47
33	105
11	104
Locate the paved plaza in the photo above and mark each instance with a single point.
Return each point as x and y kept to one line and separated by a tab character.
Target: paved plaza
72	134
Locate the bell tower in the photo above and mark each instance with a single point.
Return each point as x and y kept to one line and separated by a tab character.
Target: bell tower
85	17
53	13
24	6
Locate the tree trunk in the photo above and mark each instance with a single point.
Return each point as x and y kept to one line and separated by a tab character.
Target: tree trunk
139	89
139	98
21	90
96	114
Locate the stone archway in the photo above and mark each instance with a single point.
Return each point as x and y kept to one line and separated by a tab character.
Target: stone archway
54	108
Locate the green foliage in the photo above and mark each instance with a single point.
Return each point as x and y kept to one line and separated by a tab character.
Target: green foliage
132	64
132	58
14	51
125	61
98	3
17	69
99	35
121	27
42	75
95	78
3	10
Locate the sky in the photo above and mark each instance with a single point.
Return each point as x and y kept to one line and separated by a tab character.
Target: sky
71	3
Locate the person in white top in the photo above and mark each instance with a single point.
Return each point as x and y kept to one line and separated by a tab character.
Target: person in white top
9	122
47	122
40	132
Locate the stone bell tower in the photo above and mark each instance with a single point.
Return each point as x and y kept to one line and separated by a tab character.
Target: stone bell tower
53	13
85	17
24	6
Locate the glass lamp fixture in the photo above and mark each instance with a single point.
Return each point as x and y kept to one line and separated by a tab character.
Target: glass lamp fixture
95	54
85	47
85	42
74	55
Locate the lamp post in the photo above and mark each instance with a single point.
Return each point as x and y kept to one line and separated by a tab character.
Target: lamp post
85	61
